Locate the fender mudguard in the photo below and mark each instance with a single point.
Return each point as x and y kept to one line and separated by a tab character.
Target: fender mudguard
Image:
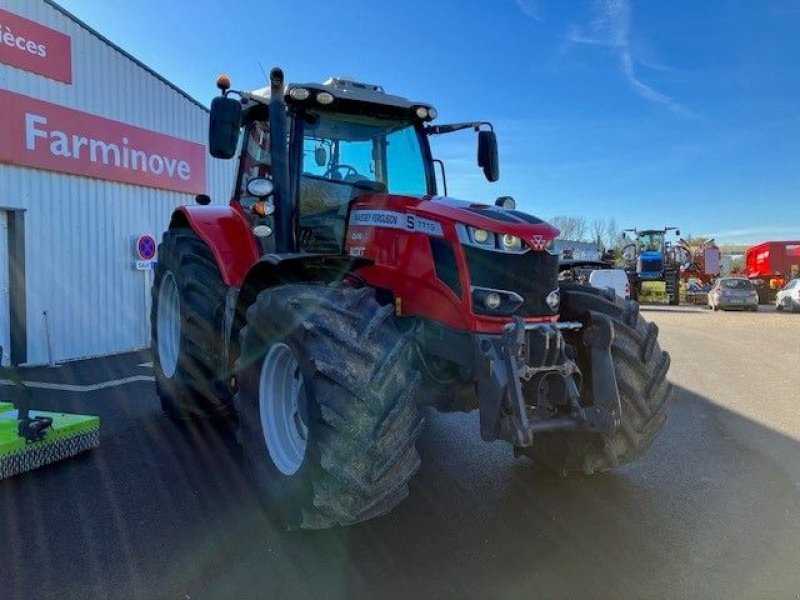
227	234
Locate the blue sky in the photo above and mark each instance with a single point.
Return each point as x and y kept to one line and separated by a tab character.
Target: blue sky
655	113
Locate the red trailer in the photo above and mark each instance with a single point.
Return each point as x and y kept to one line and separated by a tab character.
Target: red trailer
769	265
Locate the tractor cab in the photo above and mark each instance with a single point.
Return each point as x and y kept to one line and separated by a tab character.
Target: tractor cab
344	139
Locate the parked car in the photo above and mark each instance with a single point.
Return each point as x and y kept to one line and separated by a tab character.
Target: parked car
733	293
788	297
599	274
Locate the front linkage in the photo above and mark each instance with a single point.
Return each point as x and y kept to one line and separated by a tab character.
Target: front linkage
528	383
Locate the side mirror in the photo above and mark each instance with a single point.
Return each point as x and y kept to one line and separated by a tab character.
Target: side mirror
320	156
487	155
506	202
223	129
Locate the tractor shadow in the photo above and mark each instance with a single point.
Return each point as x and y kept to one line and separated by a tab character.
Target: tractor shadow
167	511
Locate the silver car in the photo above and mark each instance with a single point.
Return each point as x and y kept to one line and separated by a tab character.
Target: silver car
733	293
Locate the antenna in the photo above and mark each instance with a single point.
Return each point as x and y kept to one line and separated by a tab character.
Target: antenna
263	71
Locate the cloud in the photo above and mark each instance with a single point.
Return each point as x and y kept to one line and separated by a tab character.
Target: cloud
775	231
530	8
611	29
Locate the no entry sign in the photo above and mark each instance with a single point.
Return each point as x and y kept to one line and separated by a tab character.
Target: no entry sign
146	247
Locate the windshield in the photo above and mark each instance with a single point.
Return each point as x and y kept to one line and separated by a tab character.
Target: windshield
384	155
345	156
736	284
651	241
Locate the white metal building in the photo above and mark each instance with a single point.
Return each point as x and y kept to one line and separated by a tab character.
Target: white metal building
96	150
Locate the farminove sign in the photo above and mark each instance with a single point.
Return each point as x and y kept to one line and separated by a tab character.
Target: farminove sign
55	138
32	47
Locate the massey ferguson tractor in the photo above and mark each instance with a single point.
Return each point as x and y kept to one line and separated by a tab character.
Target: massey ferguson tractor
338	294
650	257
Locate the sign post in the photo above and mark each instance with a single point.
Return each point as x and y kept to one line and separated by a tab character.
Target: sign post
145	250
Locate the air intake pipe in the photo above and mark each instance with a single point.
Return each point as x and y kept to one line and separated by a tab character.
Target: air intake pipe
285	211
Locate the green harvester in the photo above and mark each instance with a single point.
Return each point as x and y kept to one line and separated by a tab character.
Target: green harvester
31	439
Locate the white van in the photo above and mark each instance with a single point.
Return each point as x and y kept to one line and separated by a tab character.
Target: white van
615	279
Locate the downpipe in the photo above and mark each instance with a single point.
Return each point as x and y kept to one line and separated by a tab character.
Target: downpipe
51	359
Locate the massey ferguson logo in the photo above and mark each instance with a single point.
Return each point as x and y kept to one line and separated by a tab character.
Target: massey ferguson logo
538	242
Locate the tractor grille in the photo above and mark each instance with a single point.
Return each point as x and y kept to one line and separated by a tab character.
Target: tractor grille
532	275
650	265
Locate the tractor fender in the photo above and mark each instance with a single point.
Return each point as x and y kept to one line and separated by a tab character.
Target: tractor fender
277	269
227	234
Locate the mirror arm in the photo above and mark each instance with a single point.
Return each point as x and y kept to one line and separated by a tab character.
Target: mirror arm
440	129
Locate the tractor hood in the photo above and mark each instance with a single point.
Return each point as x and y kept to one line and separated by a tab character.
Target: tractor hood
650	255
434	212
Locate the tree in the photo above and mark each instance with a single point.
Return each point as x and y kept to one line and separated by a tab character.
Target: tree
572	228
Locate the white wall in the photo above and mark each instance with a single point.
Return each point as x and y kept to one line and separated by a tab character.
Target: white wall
79	231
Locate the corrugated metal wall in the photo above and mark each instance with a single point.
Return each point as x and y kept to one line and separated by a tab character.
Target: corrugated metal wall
80	231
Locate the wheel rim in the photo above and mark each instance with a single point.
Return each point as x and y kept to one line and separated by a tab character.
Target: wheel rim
168	326
281	400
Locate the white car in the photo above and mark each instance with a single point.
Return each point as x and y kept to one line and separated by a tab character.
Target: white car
789	296
597	274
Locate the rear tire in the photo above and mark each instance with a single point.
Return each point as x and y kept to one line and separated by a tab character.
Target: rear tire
641	371
188	294
355	416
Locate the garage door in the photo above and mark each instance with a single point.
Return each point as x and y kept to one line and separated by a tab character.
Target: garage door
5	315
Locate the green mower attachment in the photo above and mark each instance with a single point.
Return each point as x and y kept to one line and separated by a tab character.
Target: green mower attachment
31	439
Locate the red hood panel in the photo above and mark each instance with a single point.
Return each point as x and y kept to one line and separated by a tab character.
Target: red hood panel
447	210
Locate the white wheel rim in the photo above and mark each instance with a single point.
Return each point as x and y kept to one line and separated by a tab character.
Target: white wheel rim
168	324
281	395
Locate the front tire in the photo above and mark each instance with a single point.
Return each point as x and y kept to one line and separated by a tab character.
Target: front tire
641	370
188	293
342	450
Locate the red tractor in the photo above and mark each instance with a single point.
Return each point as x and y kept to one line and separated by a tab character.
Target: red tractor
338	294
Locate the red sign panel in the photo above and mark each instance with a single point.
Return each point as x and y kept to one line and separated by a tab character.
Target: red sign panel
51	137
32	47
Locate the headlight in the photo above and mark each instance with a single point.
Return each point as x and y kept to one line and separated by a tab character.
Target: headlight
512	242
299	94
260	187
482	236
324	98
488	240
553	299
488	301
422	112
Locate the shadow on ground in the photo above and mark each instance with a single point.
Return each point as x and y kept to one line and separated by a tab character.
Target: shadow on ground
163	511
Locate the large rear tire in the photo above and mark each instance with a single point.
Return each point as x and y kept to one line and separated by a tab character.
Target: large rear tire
188	295
326	404
641	369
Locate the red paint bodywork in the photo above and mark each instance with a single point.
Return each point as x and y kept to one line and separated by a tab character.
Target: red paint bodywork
403	262
771	260
227	233
402	258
